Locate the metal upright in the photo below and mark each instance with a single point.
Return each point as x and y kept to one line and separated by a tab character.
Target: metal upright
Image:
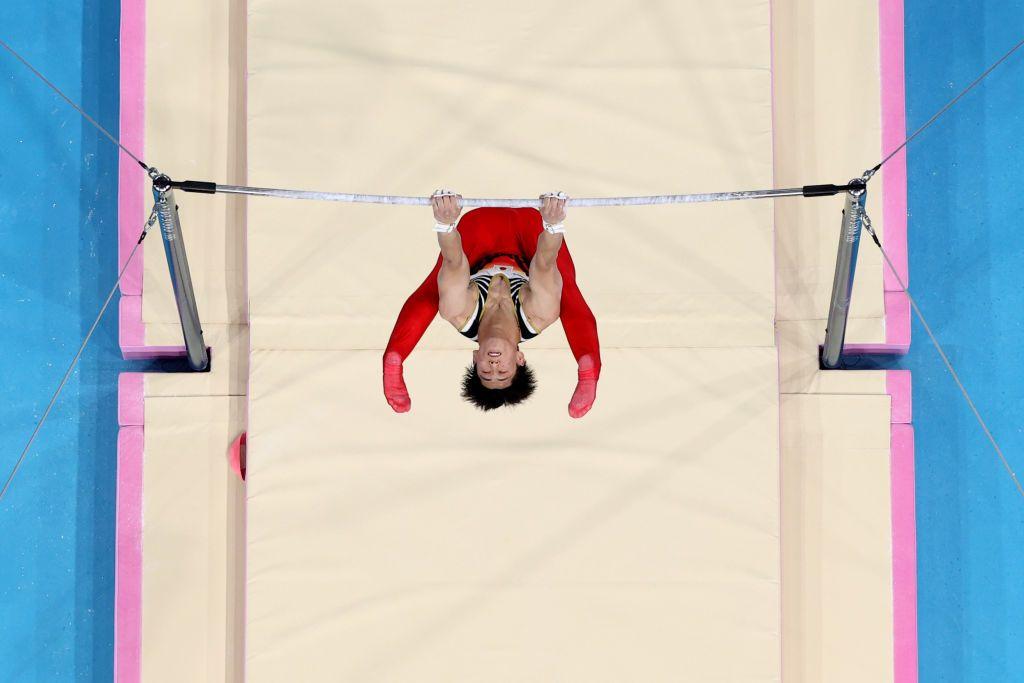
181	278
846	265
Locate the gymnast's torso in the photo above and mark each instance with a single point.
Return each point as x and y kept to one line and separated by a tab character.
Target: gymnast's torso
499	281
503	276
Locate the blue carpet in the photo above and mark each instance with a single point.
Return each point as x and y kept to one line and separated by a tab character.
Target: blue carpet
966	260
58	231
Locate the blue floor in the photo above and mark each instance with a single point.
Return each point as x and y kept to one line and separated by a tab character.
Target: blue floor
57	259
58	197
966	268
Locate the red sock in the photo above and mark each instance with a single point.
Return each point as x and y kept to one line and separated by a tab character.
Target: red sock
395	390
586	388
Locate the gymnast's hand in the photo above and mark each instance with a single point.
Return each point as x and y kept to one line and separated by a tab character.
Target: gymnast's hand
447	206
552	208
586	388
395	391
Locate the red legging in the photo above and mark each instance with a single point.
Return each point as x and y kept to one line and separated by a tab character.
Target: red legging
489	232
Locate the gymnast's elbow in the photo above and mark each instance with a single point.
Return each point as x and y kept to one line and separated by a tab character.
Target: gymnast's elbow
450	312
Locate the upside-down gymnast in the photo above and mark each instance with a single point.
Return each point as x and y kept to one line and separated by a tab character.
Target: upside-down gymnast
503	276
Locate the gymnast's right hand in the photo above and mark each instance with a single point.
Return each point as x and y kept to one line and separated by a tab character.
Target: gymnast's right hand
447	206
395	391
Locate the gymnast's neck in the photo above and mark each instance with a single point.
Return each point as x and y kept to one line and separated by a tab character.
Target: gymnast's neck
499	317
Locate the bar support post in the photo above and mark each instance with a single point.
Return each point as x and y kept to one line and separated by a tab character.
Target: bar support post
842	284
181	278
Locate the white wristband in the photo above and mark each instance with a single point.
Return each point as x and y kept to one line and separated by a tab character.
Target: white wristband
443	227
555	228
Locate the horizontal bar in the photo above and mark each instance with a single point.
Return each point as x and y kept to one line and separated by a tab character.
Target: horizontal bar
211	188
509	203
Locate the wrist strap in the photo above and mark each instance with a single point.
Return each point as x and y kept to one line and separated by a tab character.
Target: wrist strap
443	227
555	228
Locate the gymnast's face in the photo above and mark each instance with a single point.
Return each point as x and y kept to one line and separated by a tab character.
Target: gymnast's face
497	361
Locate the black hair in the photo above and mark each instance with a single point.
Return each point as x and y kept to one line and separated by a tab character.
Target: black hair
473	390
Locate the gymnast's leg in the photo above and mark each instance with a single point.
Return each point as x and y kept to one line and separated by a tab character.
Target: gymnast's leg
414	319
577	319
580	327
483	232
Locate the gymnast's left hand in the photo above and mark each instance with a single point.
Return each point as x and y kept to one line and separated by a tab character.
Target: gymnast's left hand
552	207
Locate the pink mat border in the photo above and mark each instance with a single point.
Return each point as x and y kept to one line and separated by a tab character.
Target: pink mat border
128	574
897	341
128	543
897	332
894	182
131	187
131	417
904	554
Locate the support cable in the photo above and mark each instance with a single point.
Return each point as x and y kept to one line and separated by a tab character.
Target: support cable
945	358
81	349
946	108
67	99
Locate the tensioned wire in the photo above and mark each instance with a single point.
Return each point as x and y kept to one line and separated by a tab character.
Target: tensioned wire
67	99
945	358
470	202
419	201
515	203
603	201
917	310
949	104
74	361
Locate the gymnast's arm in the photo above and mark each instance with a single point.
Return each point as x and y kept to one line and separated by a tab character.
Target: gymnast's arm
421	307
453	279
580	327
455	302
578	320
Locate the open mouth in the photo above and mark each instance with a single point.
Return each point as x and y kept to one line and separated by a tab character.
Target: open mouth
493	354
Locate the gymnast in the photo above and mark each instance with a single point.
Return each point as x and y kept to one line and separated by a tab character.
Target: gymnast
503	276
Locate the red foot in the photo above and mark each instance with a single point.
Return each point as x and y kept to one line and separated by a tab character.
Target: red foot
583	398
586	388
395	390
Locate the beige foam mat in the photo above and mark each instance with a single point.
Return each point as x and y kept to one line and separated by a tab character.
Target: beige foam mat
633	546
329	284
800	368
194	128
836	539
448	545
192	540
498	114
836	514
229	364
828	128
192	504
336	277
